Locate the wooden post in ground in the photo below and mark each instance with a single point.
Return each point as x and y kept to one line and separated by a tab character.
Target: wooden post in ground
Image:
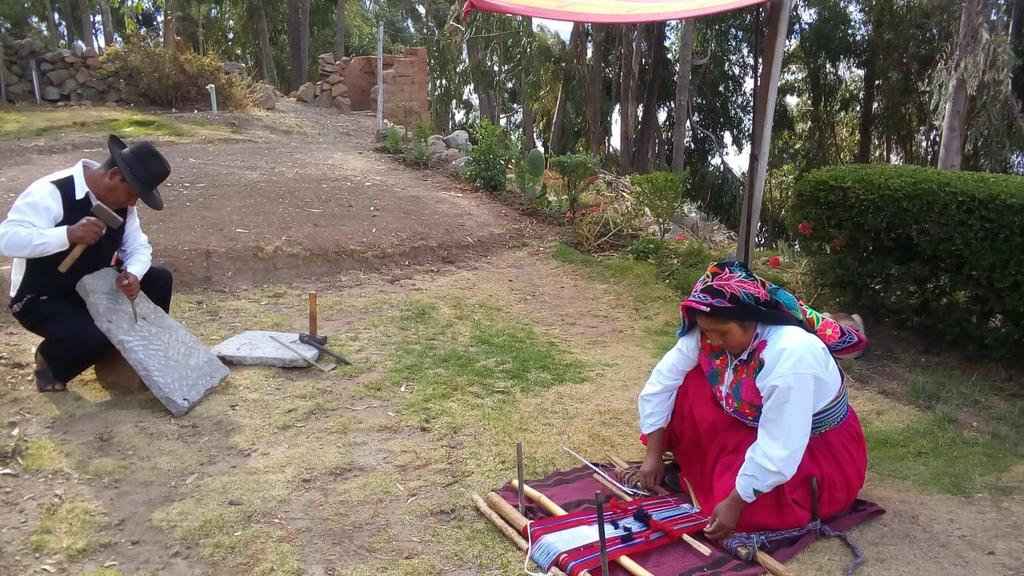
380	77
3	76
778	24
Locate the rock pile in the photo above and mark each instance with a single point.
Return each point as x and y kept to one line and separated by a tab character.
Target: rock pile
350	84
331	90
63	75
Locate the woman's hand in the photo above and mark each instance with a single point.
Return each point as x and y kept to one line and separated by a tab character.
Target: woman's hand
652	471
725	517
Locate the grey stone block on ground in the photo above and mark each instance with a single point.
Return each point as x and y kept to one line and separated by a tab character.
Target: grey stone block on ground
257	348
169	359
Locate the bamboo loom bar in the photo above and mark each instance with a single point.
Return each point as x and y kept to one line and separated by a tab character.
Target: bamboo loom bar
507	530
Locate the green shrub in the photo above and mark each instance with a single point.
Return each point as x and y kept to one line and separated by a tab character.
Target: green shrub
392	141
154	76
530	175
422	131
660	193
575	169
417	154
678	264
489	159
939	251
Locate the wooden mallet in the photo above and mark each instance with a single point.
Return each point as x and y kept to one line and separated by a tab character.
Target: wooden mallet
109	217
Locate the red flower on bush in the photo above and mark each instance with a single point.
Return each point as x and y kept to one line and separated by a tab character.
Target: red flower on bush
775	261
805	229
680	237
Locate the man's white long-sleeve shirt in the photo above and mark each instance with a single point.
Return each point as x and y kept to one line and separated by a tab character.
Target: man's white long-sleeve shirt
31	228
799	377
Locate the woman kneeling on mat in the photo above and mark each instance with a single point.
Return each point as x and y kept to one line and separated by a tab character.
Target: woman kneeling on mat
753	405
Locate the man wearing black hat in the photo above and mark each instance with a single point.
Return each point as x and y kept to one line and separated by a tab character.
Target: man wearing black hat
48	219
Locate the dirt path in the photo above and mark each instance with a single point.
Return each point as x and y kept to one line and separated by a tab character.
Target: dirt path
298	195
294	472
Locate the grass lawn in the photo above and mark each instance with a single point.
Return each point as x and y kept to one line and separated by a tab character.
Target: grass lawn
368	470
28	122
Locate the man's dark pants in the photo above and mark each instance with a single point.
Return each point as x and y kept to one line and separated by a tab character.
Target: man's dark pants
71	341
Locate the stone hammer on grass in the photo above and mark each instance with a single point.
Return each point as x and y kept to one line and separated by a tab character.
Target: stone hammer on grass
312	339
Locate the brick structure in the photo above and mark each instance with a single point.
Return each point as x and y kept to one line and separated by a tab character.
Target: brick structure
352	85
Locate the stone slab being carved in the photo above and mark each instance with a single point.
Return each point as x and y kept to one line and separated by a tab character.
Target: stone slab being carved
169	359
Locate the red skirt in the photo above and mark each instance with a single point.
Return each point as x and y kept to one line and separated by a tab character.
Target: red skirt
710	446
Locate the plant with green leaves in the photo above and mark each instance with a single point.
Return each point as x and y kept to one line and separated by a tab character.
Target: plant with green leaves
489	159
530	176
422	132
392	141
938	251
660	193
575	169
417	154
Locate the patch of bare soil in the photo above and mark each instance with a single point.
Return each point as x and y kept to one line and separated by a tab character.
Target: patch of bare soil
301	196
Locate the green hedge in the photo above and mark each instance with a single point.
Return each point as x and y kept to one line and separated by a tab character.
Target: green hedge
938	251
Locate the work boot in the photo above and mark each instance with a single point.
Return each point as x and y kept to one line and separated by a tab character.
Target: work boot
45	380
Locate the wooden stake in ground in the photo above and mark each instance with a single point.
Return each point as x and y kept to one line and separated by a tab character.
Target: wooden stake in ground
627	563
312	315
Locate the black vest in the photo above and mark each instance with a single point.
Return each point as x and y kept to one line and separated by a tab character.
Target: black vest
41	275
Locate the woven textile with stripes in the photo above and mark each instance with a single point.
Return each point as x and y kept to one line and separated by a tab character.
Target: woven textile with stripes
571	541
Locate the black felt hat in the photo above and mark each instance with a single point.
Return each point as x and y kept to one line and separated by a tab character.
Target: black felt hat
143	166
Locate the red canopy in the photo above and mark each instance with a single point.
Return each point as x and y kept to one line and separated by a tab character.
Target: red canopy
609	11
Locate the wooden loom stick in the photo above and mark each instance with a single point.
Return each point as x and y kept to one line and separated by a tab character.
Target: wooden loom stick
763	558
517	521
771	564
618	462
507	530
693	542
627	563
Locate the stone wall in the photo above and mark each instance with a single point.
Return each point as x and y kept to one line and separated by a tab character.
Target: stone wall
64	75
350	84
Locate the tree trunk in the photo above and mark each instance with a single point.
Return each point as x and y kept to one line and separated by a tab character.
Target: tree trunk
645	150
339	30
867	108
88	38
576	41
682	108
51	23
1017	50
108	23
298	42
595	91
951	147
483	79
525	94
627	98
755	51
69	29
266	53
169	22
867	101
